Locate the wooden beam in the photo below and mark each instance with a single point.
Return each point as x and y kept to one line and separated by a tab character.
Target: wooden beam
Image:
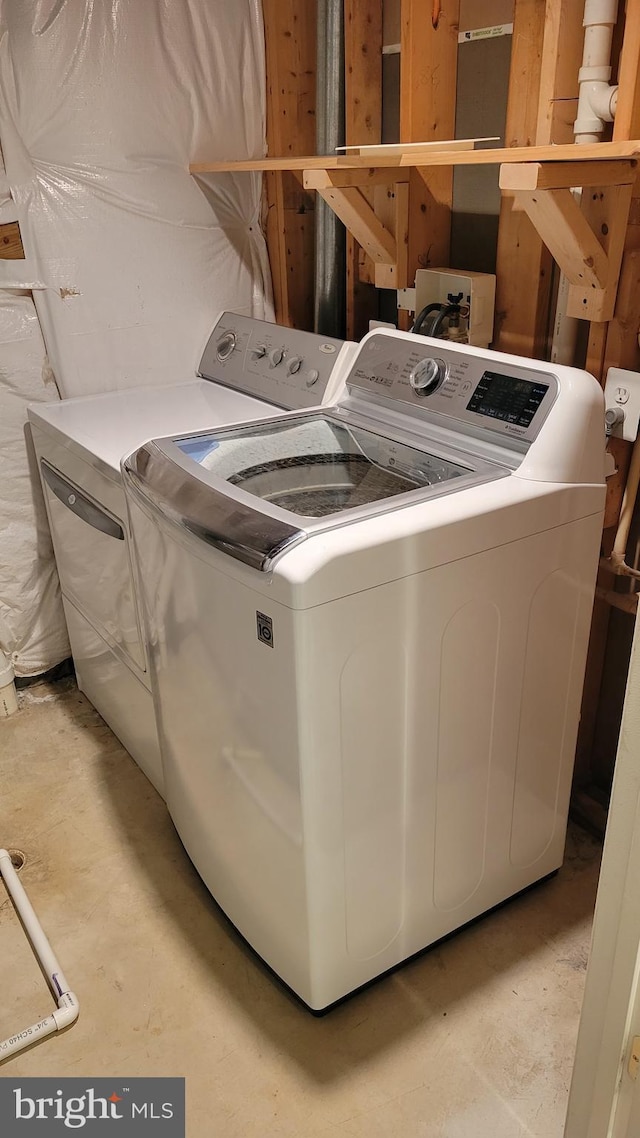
325	179
396	219
564	175
354	211
363	125
428	69
567	234
11	248
290	37
606	211
627	120
561	59
522	314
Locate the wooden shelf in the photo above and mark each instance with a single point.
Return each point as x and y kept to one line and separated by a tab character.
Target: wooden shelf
586	240
430	157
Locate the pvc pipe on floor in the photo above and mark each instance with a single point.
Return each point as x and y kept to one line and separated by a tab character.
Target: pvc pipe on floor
68	1006
8	695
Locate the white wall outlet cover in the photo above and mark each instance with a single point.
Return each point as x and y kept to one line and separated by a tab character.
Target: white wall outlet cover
622	399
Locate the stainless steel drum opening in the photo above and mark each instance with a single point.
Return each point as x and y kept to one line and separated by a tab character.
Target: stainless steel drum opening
316	466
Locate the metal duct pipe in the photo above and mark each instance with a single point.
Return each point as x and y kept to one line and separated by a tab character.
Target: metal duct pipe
330	237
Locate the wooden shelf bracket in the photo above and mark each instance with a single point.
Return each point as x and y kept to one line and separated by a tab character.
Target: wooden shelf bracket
383	238
586	239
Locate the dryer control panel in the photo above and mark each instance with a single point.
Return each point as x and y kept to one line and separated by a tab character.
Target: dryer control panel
508	399
284	366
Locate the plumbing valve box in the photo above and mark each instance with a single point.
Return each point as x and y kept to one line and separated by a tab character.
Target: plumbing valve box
474	292
622	400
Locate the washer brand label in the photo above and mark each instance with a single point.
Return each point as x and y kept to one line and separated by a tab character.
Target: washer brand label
130	1108
265	628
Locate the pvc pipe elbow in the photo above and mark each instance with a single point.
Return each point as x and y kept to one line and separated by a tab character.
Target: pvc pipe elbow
603	100
67	1011
596	106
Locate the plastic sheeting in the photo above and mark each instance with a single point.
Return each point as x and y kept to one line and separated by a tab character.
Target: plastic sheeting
32	628
102	108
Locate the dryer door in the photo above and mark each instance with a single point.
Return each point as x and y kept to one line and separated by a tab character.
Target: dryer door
92	556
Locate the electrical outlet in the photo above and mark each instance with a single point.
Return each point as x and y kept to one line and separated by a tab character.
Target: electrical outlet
622	399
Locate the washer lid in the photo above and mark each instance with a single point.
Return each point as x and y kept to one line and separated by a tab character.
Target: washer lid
318	466
255	490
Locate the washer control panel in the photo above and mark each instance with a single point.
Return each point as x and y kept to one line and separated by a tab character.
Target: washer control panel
510	400
284	366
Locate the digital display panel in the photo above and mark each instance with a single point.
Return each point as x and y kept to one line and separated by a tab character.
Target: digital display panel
507	398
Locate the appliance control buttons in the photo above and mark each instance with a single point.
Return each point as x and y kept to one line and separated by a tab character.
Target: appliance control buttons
276	355
259	352
225	346
428	375
294	365
312	377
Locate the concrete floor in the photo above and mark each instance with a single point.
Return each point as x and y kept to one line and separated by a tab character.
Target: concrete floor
474	1039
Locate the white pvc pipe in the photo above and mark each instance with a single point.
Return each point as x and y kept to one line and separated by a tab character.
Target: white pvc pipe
68	1006
596	105
8	695
597	99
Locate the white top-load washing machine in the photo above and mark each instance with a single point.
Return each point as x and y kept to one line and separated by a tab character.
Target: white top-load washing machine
368	627
249	368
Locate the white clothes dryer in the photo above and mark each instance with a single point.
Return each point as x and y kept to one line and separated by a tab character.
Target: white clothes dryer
249	368
368	629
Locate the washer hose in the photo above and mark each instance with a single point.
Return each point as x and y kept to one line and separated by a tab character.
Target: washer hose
422	316
448	310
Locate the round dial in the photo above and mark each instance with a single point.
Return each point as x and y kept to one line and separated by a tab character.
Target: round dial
313	376
428	375
259	351
276	355
294	365
225	346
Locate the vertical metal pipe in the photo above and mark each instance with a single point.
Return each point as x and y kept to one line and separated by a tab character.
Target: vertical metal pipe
330	237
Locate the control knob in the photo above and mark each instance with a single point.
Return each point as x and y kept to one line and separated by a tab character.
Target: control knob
259	352
225	346
294	365
428	375
276	355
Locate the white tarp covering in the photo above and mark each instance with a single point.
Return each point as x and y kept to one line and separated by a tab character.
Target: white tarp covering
102	108
32	628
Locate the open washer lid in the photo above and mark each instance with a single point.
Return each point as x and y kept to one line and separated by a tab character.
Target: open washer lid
255	490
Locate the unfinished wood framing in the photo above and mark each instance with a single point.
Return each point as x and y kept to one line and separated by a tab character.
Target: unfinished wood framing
428	68
627	120
363	125
560	61
11	248
586	240
521	316
290	38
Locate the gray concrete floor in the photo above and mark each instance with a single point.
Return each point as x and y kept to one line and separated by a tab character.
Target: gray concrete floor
473	1039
